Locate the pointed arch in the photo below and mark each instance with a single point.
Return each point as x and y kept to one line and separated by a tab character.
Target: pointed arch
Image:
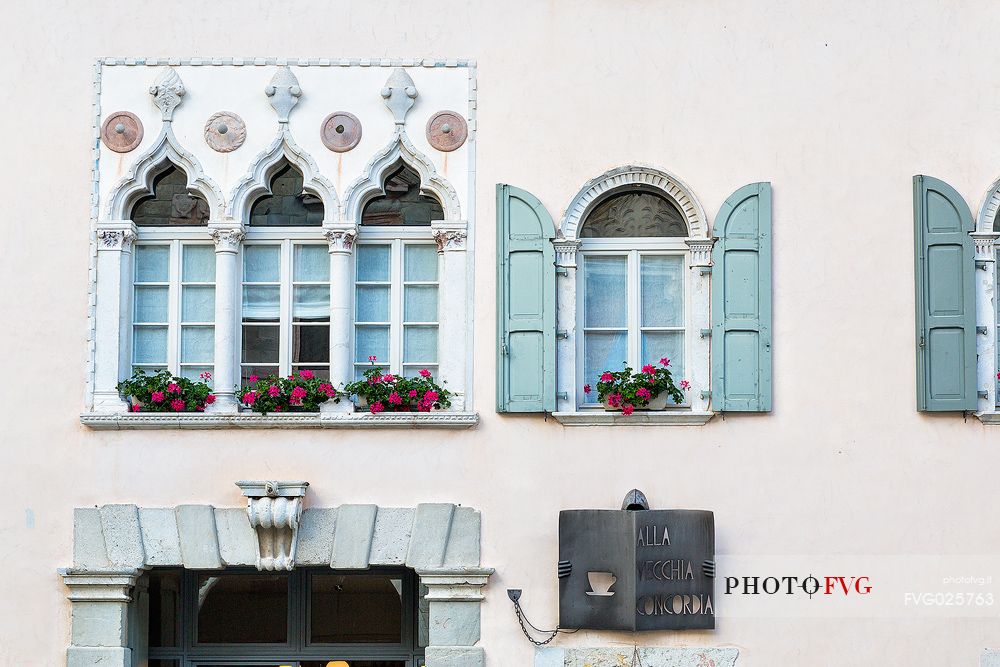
989	209
139	180
257	181
370	184
628	177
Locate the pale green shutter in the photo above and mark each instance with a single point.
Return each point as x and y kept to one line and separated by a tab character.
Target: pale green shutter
741	302
945	298
526	314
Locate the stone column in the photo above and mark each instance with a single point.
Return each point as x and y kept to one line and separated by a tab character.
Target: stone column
341	238
112	312
986	337
699	367
566	380
455	598
228	237
100	617
453	322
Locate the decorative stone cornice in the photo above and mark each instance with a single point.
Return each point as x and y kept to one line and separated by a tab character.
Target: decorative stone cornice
701	251
96	586
399	94
566	250
118	236
227	237
449	235
985	245
341	238
460	584
168	93
275	511
283	92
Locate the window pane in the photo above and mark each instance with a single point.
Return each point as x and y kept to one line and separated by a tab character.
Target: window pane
371	341
605	291
669	344
152	263
413	370
151	304
662	279
261	263
223	618
420	344
372	303
421	263
634	214
373	262
603	351
322	372
197	344
198	264
357	608
420	303
261	303
312	263
259	371
310	344
164	607
198	304
260	344
193	373
311	302
150	345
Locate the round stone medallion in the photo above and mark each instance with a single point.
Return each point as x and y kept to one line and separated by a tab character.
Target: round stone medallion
122	131
225	131
341	131
447	130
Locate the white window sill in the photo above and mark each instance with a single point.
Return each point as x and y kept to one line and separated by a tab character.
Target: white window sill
989	417
164	420
638	418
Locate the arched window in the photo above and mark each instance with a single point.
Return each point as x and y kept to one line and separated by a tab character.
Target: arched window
402	203
170	202
288	205
633	291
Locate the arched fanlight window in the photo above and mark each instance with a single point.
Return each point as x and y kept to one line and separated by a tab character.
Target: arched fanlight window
170	203
287	205
635	214
402	203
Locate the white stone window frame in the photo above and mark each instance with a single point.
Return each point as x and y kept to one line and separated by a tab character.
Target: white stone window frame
116	234
987	314
696	247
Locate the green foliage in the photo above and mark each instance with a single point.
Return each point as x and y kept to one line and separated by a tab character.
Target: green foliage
627	390
394	393
165	392
299	392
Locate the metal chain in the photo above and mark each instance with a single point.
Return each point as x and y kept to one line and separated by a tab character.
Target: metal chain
521	619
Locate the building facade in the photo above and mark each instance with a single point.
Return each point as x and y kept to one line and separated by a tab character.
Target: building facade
319	359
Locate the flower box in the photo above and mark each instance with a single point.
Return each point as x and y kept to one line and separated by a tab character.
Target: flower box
650	389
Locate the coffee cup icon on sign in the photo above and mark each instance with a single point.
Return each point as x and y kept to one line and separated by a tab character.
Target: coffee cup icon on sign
601	583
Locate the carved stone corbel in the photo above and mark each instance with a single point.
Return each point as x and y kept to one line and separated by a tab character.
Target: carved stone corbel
275	510
701	251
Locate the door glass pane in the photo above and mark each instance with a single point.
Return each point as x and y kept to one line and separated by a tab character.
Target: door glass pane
356	608
261	303
164	607
198	264
311	303
603	351
662	288
150	345
152	263
605	291
420	263
420	303
261	263
197	344
373	263
312	263
151	304
242	608
198	303
669	344
420	344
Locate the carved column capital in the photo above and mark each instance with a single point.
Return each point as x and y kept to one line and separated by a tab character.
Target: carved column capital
566	250
116	236
275	511
449	235
701	251
341	238
985	245
227	237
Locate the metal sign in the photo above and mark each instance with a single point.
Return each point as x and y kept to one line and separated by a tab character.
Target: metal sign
637	569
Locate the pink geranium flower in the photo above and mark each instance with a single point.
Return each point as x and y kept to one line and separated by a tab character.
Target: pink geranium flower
413	393
685	385
375	379
250	397
586	388
642	393
664	361
649	369
614	400
431	396
177	405
136	407
627	409
607	377
298	393
371	358
200	408
376	407
173	388
395	398
206	376
210	399
306	375
273	390
388	377
157	396
253	378
424	373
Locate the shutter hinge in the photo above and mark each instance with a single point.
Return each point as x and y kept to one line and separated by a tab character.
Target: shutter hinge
982	393
705	333
562	271
503	348
562	334
982	264
981	330
563	395
704	270
706	394
921	341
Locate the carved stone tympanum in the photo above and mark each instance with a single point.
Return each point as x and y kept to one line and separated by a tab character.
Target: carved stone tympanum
341	131
225	131
122	131
275	511
447	131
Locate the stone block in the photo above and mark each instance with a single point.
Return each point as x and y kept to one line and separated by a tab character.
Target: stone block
89	552
429	539
352	541
653	656
454	623
392	535
77	656
548	656
237	539
101	624
199	540
316	532
463	539
122	537
452	656
159	536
